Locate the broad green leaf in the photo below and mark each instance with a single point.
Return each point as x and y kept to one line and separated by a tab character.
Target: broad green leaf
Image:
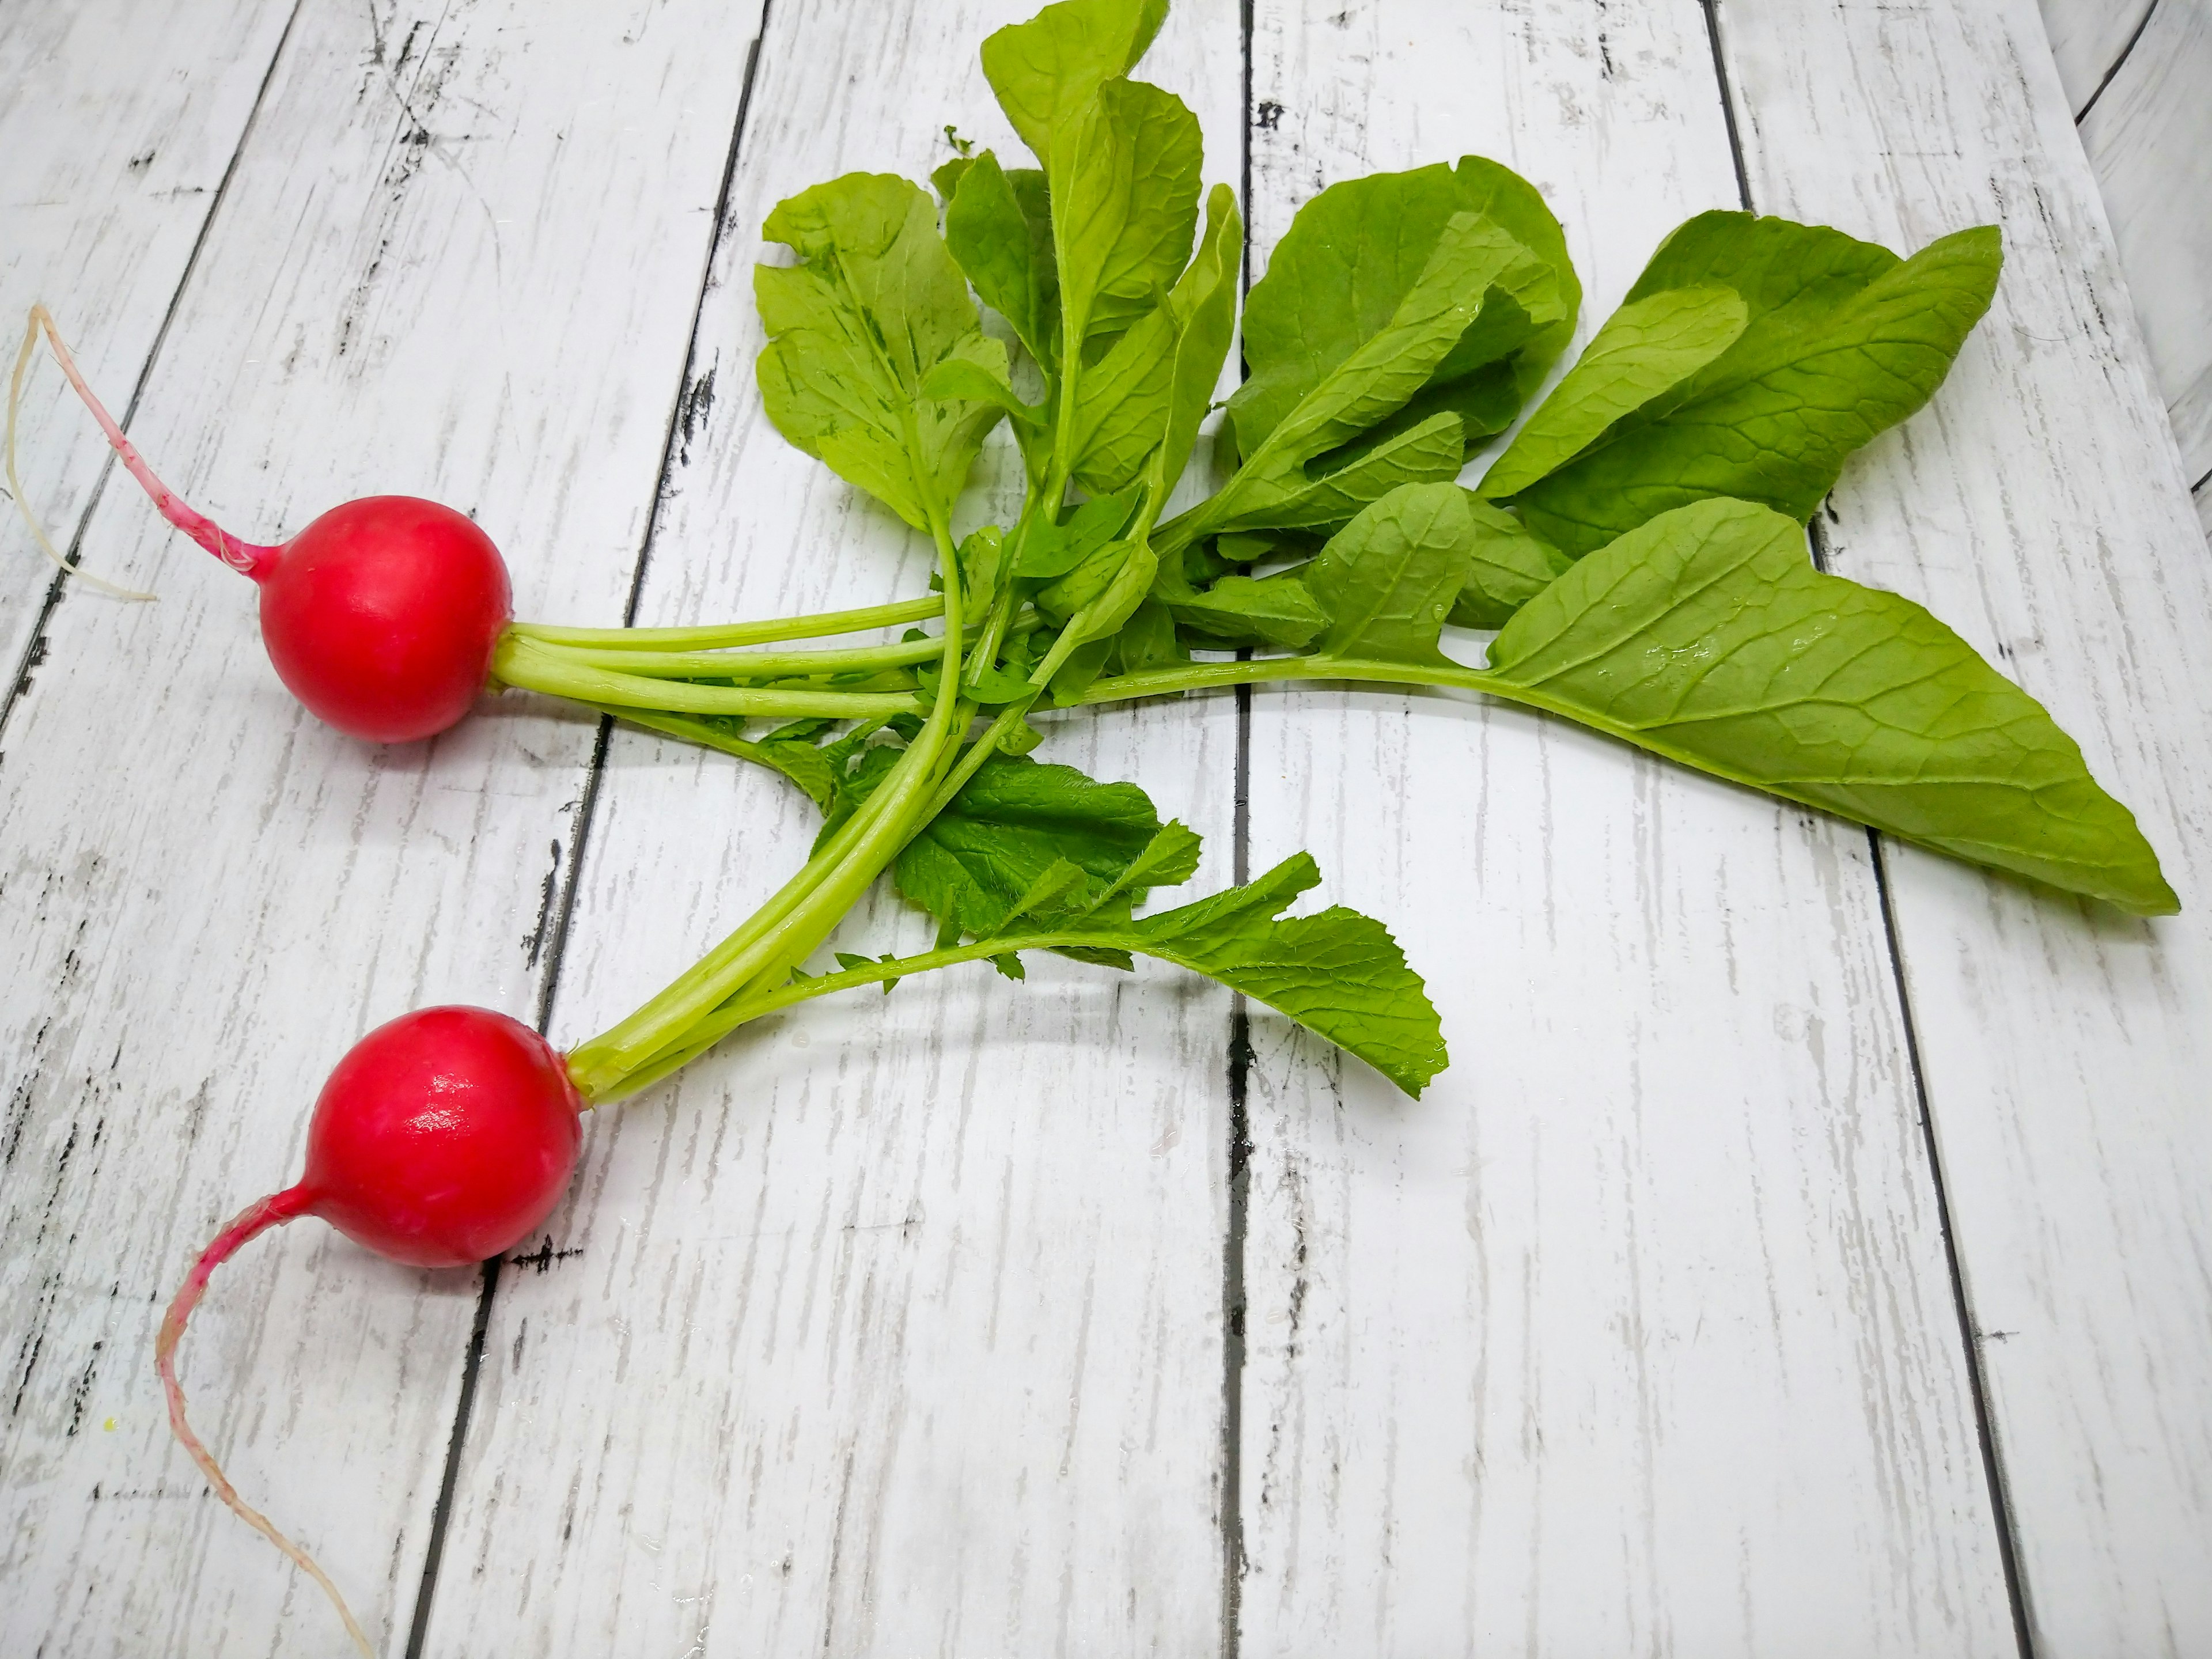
1204	305
1644	348
1148	639
1045	70
1490	187
1349	259
1279	610
1054	549
1091	577
1124	204
1707	635
1138	410
1004	242
1843	340
855	330
1511	565
1122	403
1388	578
1275	486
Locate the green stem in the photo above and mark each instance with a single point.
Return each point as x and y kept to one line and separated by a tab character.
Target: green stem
718	635
519	662
744	1009
766	664
786	929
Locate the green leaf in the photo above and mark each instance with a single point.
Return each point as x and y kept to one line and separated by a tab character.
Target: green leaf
1279	610
1388	578
1843	340
1122	403
1204	305
999	226
1490	187
855	330
1707	635
1014	820
1511	565
1352	256
1338	974
1045	70
1277	485
1644	349
1148	639
1125	204
1054	549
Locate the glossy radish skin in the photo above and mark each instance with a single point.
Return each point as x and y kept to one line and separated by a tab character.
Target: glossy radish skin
442	1139
382	614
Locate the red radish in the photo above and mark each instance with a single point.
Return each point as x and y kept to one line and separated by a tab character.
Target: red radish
442	1139
381	616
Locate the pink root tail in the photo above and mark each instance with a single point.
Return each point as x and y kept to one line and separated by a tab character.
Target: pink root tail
254	1220
250	558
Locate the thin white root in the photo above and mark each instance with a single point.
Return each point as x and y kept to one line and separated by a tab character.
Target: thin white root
39	315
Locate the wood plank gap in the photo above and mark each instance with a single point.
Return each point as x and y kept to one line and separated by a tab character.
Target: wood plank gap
2023	1625
2117	64
556	943
35	641
1985	1435
1727	101
690	355
1237	1232
418	1629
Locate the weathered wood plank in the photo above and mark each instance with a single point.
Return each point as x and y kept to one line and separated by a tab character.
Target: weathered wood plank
459	258
118	120
894	1328
2036	507
2149	142
2088	37
1634	1334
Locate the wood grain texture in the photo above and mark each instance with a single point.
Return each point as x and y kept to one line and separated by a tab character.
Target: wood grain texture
893	1328
2150	143
2036	507
2088	37
118	120
1634	1334
443	225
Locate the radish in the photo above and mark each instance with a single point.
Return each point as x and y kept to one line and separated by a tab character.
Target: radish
442	1139
381	616
387	617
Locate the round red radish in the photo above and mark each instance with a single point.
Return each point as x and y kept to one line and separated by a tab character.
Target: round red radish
442	1139
382	614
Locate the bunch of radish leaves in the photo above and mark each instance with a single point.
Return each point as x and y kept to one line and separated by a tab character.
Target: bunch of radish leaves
1639	548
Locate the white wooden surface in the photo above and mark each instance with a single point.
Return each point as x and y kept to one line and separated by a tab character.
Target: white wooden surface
437	226
2065	1052
1634	1334
900	1327
2149	142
